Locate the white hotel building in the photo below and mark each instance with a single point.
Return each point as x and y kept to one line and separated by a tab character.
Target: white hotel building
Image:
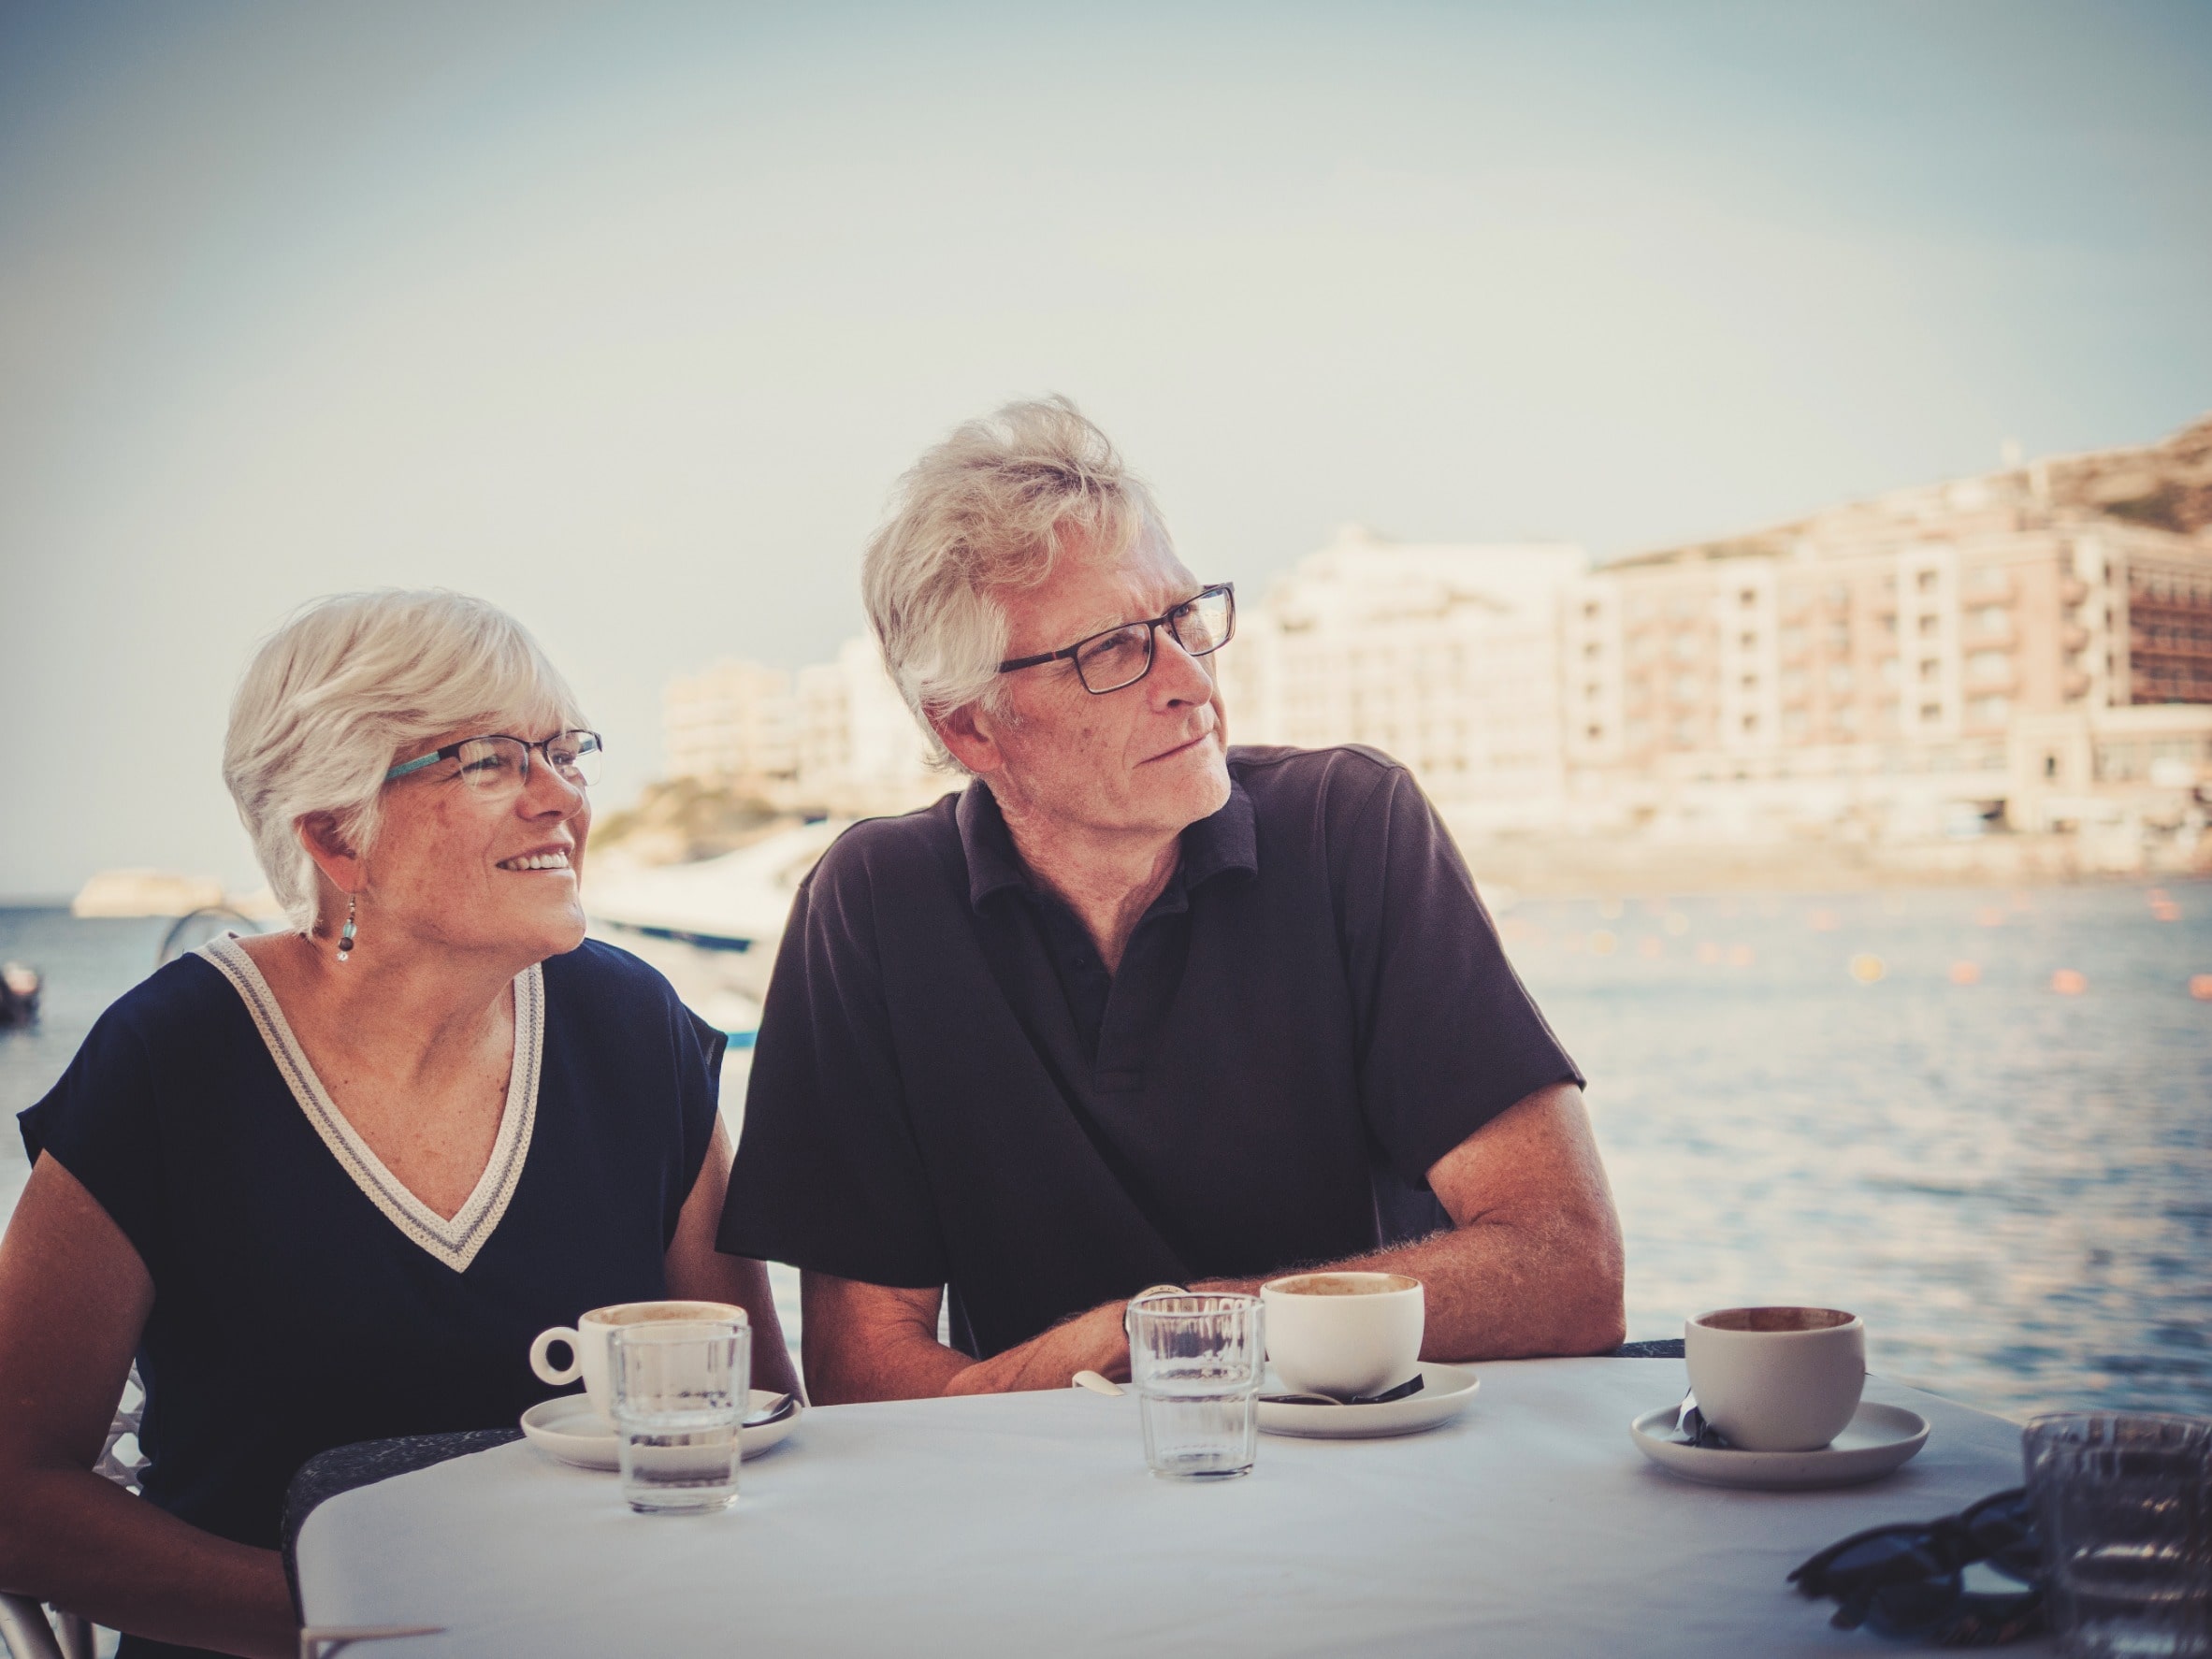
2033	646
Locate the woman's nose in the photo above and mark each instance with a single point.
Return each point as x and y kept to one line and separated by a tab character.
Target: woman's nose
547	794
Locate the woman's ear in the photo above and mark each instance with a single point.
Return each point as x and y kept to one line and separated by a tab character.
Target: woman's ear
327	844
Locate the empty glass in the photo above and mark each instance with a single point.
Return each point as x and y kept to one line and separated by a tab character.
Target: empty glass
1196	1360
2124	1506
680	1390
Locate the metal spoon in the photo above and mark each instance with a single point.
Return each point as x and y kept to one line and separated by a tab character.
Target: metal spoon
1403	1391
776	1411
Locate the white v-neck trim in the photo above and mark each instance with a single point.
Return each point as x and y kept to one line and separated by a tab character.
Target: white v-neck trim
455	1243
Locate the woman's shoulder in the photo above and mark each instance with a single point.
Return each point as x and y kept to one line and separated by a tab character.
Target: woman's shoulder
606	976
174	1005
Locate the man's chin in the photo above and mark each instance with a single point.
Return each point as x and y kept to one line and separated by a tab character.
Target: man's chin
1205	786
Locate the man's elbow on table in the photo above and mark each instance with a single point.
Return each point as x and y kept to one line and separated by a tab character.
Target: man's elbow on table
1593	1305
1539	1239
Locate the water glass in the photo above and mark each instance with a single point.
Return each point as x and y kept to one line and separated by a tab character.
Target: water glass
2123	1504
680	1389
1197	1359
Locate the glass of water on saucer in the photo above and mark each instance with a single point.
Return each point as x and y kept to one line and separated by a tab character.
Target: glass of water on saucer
1196	1359
679	1390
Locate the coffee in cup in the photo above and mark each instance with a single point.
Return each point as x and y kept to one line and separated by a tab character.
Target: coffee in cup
1777	1379
587	1341
1344	1333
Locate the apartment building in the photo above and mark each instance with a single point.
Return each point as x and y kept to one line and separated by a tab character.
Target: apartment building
730	720
836	736
1444	656
1895	648
2028	645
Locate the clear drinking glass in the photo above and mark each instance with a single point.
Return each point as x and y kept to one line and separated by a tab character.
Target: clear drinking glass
1197	1359
2123	1504
680	1389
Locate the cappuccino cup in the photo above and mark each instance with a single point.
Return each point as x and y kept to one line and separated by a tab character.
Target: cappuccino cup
587	1342
1776	1379
1343	1333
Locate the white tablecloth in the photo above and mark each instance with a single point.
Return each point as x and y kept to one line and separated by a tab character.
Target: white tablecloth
1027	1524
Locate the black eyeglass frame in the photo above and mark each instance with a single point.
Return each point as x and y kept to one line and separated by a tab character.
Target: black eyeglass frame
545	746
1151	626
1915	1587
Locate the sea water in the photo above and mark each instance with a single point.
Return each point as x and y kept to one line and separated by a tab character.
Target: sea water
2013	1184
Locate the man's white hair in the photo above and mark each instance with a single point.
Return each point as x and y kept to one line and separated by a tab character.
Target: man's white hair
992	507
350	683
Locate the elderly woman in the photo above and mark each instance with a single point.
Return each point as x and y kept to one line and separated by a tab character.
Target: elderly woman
327	1185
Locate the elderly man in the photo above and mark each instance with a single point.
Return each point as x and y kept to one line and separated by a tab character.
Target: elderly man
1136	1007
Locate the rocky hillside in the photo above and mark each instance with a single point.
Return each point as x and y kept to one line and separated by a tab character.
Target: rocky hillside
2166	486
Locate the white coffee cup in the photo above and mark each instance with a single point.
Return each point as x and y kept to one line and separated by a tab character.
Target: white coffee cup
1777	1379
1343	1333
587	1341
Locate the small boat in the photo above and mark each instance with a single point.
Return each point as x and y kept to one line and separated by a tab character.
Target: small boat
19	987
712	927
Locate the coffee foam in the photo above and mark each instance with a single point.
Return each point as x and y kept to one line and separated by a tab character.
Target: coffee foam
639	1313
1776	1318
1344	1284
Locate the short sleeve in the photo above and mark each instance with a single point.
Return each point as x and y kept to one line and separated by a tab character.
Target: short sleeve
1448	1037
99	1123
699	1048
828	1175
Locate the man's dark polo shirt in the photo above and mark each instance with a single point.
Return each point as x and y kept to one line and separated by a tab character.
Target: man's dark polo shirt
1313	1012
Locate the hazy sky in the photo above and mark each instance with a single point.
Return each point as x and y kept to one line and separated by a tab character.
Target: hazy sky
626	317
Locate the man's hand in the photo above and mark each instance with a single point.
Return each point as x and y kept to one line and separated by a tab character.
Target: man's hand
873	1342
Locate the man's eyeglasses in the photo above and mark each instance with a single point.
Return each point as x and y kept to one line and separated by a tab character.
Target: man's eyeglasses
1910	1580
1122	655
498	767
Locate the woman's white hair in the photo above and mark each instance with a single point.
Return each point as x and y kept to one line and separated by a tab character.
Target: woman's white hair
350	683
994	506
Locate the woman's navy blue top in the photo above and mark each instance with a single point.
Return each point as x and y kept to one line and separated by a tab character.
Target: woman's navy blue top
302	1298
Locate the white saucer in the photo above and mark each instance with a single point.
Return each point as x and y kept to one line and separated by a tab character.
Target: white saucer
568	1428
1445	1392
1878	1438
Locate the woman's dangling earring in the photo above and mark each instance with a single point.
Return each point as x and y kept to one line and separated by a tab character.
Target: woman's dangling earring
345	940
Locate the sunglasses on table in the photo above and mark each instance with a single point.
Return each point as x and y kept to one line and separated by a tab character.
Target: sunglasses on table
1909	1579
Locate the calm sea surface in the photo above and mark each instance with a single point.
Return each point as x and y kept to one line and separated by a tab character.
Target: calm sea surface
2013	1183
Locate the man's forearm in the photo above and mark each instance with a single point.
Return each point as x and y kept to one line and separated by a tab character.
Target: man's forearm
1499	1291
866	1343
1088	1342
1534	1266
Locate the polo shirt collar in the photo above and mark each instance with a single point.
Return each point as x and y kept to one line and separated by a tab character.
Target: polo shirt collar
1228	840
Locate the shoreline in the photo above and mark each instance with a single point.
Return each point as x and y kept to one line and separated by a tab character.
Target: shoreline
1591	868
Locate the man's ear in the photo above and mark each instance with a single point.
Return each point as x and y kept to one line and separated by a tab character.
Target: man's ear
970	735
333	853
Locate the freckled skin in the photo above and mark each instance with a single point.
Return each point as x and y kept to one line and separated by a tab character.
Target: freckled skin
433	875
1097	770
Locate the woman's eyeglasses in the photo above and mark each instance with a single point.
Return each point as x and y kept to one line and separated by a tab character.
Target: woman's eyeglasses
1122	655
498	767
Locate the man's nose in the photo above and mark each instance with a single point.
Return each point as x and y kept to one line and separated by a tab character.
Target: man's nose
1179	677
